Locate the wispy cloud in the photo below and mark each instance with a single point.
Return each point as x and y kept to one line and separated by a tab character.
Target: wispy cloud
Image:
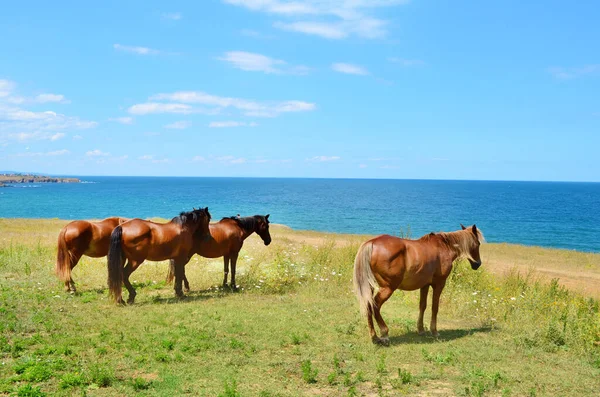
136	49
173	16
77	137
57	136
179	125
321	159
325	30
330	19
41	154
47	98
122	120
198	159
349	68
231	160
97	153
254	62
229	124
215	104
406	62
157	108
254	34
574	72
152	159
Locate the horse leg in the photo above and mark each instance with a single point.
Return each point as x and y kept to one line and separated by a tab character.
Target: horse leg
437	291
372	332
225	270
129	268
422	307
70	285
382	295
234	258
179	275
186	283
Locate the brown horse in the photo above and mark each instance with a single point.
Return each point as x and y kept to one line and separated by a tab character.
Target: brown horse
79	238
226	239
138	240
388	263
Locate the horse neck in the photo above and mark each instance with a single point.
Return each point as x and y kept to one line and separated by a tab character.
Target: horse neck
245	232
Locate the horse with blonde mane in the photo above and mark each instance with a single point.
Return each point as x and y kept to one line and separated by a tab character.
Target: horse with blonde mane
388	263
80	238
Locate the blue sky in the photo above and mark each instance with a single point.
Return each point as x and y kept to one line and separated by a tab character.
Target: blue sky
304	88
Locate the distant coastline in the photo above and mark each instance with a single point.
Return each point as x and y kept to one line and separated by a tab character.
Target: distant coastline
9	179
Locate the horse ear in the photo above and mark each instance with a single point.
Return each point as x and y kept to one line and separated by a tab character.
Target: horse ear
194	208
462	226
267	216
474	229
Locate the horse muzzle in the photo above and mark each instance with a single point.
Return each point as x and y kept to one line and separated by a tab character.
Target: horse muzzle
475	265
267	242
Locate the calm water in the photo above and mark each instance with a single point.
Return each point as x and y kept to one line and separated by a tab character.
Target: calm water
563	215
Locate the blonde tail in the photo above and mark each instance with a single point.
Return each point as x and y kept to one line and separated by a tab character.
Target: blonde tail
364	281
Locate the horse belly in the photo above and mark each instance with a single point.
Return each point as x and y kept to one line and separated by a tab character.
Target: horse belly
415	280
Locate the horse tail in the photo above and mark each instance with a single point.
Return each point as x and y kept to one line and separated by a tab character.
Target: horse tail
115	263
364	281
63	258
171	272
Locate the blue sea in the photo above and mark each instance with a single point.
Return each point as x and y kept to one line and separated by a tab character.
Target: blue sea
561	215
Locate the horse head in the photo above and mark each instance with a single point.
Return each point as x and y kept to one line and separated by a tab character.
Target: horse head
474	242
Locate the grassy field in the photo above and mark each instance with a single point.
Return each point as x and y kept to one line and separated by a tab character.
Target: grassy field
294	329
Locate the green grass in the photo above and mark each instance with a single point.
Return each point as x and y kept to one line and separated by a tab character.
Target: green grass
293	330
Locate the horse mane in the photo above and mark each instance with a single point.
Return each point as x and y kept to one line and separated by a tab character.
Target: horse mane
183	216
248	223
459	241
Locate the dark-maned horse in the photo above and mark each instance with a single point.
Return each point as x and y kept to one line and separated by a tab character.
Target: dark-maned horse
79	238
388	263
226	239
138	240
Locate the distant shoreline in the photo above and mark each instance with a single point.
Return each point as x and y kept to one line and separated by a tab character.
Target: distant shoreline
8	179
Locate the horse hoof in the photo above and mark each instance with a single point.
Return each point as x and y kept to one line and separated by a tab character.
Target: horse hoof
435	334
422	332
381	341
235	288
186	289
120	302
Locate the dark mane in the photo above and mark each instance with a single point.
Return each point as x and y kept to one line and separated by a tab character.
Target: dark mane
247	223
183	216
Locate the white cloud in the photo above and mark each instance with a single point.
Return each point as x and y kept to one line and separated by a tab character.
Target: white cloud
198	159
136	50
152	159
254	34
331	19
46	98
77	137
146	157
231	160
362	166
574	72
253	62
57	136
21	124
40	154
156	108
216	103
348	68
228	124
406	62
179	125
96	153
122	120
174	16
321	159
6	87
326	30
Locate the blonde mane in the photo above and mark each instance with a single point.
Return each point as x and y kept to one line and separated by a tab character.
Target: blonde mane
462	240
